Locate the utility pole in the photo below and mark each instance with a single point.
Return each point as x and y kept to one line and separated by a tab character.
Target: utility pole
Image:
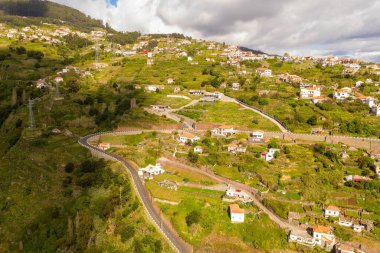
57	93
167	45
32	124
96	52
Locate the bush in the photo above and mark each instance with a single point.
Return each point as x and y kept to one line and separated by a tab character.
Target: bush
69	167
38	55
193	217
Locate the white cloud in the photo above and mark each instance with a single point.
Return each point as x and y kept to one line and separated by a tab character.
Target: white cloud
276	26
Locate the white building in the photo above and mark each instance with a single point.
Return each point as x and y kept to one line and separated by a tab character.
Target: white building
343	93
150	171
319	99
188	137
104	146
343	248
376	110
367	100
170	80
257	136
237	193
234	148
223	131
323	236
58	79
267	156
332	211
235	86
198	149
357	228
303	238
264	72
160	107
236	213
310	92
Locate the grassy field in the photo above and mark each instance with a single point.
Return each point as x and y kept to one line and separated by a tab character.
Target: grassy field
229	113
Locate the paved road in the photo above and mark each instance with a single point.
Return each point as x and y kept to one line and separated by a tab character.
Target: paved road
280	222
175	241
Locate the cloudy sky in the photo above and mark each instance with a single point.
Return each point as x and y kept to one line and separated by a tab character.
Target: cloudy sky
341	27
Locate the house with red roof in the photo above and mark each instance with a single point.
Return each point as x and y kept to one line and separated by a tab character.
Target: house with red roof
264	72
188	137
104	146
236	213
332	211
323	237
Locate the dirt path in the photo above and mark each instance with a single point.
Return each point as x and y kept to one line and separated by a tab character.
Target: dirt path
280	222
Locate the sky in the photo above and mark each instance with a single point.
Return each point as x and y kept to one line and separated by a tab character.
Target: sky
299	27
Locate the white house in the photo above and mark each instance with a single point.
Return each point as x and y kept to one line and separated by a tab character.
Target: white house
301	237
160	107
234	148
367	100
264	72
343	93
235	86
237	193
343	248
188	137
319	99
198	149
267	156
345	222
41	84
150	171
310	92
257	136
189	59
236	213
58	79
223	131
323	236
332	211
104	146
357	228
151	88
376	110
170	80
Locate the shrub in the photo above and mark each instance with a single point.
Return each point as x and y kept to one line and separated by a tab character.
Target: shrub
193	217
69	167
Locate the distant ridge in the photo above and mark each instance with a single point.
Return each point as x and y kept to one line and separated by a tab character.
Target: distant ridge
37	11
254	51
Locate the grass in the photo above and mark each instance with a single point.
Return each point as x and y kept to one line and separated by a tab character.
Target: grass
231	114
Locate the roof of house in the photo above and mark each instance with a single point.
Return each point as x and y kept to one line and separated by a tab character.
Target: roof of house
234	208
374	152
262	69
188	135
333	208
104	144
225	127
346	247
321	98
233	145
321	229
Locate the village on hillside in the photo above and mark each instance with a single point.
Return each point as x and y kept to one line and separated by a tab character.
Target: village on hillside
265	151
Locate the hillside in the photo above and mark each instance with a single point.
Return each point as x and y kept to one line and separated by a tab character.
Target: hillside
56	197
45	11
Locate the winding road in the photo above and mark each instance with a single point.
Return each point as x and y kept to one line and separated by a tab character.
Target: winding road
175	241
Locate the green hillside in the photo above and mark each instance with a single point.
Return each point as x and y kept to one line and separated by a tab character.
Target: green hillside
44	11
